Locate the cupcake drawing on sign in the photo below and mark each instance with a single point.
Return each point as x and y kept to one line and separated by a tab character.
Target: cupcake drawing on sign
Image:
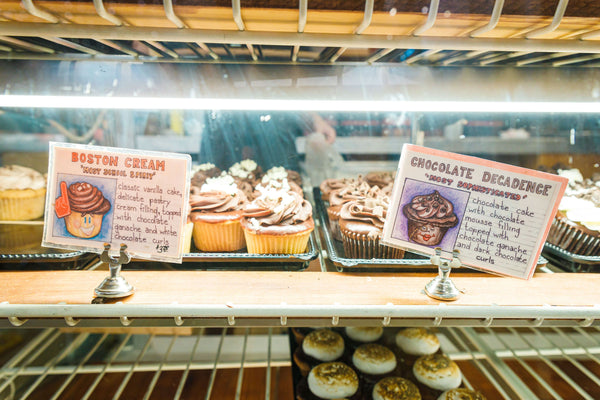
429	217
83	207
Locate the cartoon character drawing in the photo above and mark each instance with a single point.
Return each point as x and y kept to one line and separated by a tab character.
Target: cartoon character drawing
429	217
83	207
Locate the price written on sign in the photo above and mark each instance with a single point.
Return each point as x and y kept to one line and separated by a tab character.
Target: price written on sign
100	195
496	215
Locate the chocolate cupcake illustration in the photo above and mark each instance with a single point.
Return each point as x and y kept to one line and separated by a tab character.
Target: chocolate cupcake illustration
429	217
83	207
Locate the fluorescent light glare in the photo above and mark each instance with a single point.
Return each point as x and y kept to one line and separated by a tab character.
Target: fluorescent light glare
161	103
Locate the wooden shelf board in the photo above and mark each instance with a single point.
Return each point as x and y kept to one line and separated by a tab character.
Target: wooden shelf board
298	288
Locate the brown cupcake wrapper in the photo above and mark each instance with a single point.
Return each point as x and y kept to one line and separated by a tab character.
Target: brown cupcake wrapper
573	238
362	246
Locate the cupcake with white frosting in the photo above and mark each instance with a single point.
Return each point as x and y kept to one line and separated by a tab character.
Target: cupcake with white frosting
435	374
416	342
374	362
333	380
461	394
395	388
358	335
321	345
22	193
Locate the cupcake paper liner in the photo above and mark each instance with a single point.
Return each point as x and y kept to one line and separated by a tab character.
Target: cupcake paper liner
569	236
222	236
21	205
361	246
276	244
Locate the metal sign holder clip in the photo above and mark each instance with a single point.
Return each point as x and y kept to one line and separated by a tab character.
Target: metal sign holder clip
115	285
442	287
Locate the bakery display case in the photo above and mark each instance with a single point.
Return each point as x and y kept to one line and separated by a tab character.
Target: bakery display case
516	83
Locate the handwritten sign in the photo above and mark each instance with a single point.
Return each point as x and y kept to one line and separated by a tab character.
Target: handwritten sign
496	215
100	195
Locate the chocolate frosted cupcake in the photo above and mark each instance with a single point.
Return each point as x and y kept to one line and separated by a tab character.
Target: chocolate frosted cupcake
246	170
216	211
333	380
88	207
276	184
318	346
435	374
361	225
204	171
395	388
329	185
380	179
461	394
277	222
576	226
354	190
280	173
429	218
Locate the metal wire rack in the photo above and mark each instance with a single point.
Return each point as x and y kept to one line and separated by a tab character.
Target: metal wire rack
191	33
523	363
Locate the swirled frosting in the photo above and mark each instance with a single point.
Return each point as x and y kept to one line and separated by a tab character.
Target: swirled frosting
355	190
87	199
461	394
18	177
217	195
370	210
277	207
432	207
217	201
380	179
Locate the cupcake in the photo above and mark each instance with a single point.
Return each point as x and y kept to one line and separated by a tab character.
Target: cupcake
361	225
22	193
373	362
246	170
277	222
321	345
204	171
395	388
216	211
276	184
358	335
333	380
354	190
461	394
413	343
576	226
329	185
280	173
435	374
429	217
380	179
87	209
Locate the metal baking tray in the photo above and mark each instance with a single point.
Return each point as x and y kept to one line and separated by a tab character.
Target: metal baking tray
335	250
569	261
238	260
36	257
